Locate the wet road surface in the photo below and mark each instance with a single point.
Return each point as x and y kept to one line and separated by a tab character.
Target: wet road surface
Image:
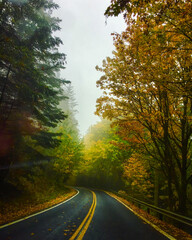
90	215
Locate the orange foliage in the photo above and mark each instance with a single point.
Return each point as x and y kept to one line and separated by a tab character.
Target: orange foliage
137	175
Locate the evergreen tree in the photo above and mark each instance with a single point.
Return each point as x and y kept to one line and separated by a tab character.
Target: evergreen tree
30	91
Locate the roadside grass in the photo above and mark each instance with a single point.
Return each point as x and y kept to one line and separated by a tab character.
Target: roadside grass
21	204
166	227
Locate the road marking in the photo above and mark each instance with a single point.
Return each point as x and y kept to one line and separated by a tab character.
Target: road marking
35	214
144	219
86	222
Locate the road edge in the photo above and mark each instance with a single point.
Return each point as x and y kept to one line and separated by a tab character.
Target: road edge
141	217
40	212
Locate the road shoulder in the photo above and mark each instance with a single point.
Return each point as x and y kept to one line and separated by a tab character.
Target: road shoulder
31	210
168	230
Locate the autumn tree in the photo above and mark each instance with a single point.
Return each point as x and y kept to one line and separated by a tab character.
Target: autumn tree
148	82
138	176
171	16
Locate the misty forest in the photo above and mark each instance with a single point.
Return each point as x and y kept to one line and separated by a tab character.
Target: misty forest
142	145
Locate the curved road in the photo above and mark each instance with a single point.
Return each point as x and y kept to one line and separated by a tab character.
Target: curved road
88	216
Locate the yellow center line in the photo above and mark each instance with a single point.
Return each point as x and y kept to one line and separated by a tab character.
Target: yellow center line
89	220
85	223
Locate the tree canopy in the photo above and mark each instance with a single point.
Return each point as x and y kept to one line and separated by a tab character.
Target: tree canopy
147	86
30	89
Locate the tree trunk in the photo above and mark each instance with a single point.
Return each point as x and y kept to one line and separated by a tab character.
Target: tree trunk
182	208
156	190
170	192
4	168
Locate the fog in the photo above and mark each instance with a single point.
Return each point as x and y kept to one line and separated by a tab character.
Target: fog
86	35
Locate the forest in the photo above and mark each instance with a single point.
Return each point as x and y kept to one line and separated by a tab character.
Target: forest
142	144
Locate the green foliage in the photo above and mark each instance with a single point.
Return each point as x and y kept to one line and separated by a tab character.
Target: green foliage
67	154
39	146
102	165
45	164
29	62
47	139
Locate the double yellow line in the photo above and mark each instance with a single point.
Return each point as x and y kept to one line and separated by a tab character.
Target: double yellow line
81	230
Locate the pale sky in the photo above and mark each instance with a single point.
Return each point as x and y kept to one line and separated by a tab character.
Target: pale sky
87	41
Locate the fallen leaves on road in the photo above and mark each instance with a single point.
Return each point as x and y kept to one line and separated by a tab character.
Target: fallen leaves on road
168	228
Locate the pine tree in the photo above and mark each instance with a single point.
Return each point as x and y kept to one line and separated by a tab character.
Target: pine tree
30	91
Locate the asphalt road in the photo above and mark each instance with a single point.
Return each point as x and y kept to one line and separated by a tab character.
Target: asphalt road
88	216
